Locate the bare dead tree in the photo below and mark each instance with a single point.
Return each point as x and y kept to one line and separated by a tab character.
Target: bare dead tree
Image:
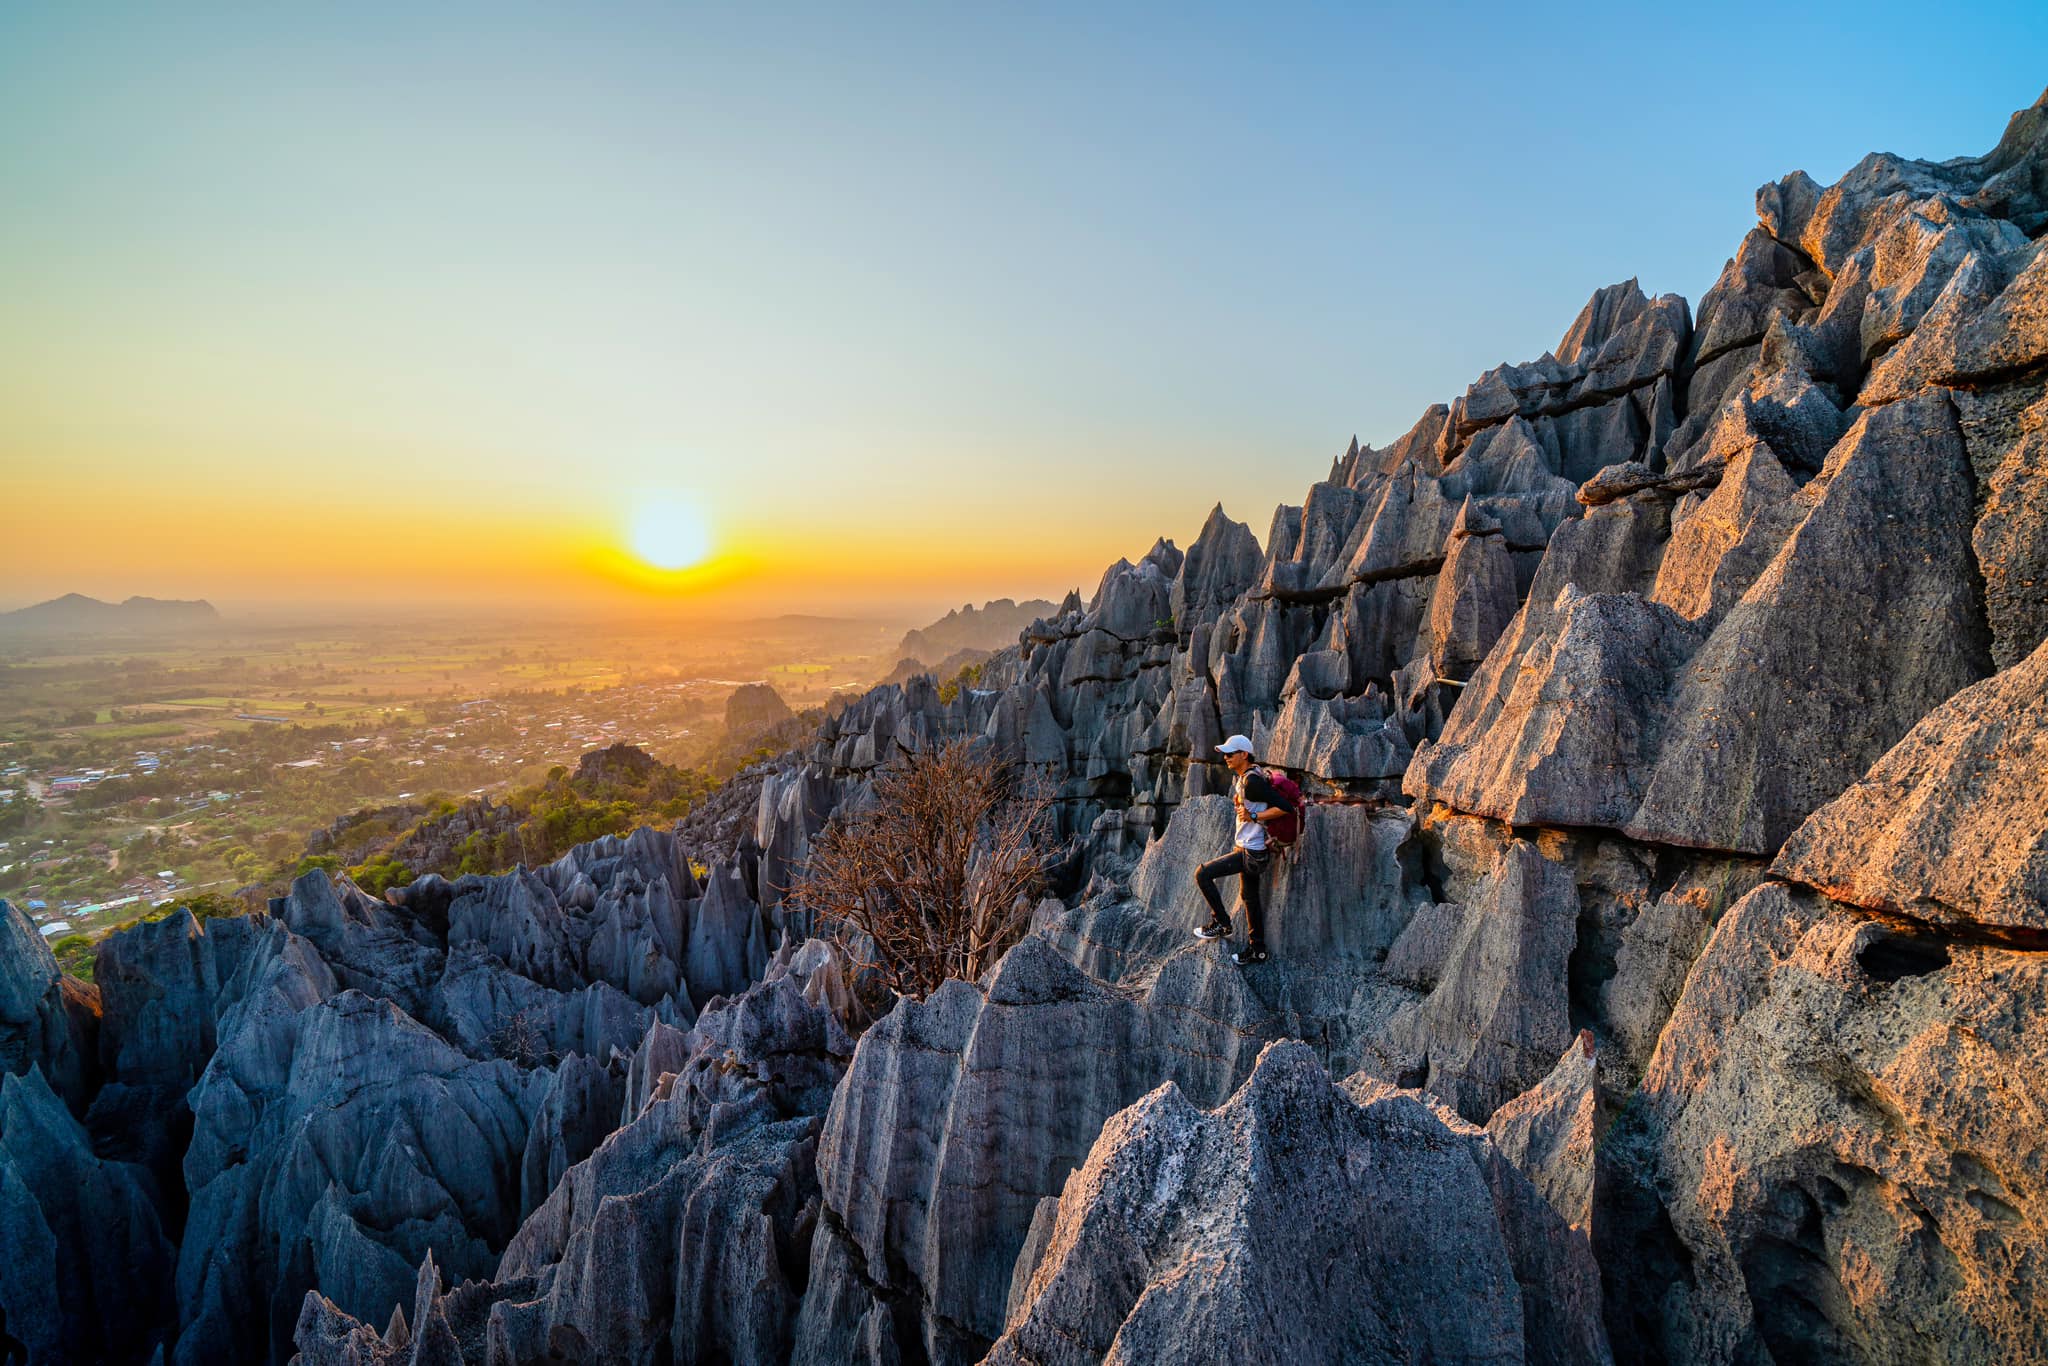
522	1037
936	877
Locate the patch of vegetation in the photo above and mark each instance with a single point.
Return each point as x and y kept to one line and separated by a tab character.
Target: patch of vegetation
379	873
968	677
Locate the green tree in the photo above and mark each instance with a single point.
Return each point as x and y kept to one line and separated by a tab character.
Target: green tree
379	873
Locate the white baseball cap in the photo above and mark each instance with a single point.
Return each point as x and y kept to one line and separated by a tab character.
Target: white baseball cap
1236	744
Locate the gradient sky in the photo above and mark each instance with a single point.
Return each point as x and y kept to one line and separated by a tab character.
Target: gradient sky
919	304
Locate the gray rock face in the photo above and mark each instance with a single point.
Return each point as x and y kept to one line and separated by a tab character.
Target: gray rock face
1836	1128
43	1021
87	1271
347	1086
1185	1235
1614	711
1551	1132
335	1152
681	1236
169	991
1951	826
1867	619
1500	1013
1580	726
166	988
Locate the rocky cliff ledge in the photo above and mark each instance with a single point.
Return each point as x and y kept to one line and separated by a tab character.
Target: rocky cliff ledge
1664	982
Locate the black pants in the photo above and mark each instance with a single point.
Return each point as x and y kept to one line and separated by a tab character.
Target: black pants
1249	867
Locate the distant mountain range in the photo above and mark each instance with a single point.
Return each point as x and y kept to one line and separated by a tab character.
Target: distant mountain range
77	612
987	628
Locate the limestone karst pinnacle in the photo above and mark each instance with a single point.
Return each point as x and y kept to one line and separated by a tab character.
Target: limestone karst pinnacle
1664	972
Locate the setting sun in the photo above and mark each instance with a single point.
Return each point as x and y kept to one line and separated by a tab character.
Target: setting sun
669	534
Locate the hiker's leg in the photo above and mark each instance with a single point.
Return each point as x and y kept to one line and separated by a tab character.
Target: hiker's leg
1250	889
1230	865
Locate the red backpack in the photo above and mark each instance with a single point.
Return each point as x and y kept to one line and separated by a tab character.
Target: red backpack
1287	830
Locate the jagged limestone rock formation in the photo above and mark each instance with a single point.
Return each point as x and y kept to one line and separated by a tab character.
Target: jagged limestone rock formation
170	990
683	1235
1185	1236
1950	827
1835	1147
1614	670
336	1153
86	1274
1552	1132
47	1020
324	1097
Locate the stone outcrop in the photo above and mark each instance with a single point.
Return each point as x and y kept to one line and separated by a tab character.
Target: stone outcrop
1185	1237
1836	1143
1951	826
87	1270
336	1153
47	1020
1610	708
321	1099
683	1235
968	629
1552	1132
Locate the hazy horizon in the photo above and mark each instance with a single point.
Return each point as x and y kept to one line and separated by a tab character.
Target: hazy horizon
264	615
897	310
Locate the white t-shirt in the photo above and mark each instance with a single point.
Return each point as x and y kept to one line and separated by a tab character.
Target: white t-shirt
1250	835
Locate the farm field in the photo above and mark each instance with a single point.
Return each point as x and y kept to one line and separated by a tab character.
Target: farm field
135	770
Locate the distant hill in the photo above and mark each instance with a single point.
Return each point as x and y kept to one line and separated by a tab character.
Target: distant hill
77	612
947	668
987	629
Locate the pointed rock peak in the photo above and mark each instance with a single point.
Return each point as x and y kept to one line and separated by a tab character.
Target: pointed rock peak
1352	453
1217	528
1036	973
1109	576
1072	602
426	1288
1606	313
1785	206
1286	1068
1472	521
1165	556
26	1097
27	964
396	1334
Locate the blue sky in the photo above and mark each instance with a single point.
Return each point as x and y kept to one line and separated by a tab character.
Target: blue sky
931	301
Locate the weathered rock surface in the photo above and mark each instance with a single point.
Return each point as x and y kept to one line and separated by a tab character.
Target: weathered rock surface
1868	618
1837	1140
46	1019
335	1152
1186	1236
86	1274
1551	1131
1612	710
1952	825
683	1235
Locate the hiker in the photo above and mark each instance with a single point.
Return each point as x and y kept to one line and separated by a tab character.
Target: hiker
1268	815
